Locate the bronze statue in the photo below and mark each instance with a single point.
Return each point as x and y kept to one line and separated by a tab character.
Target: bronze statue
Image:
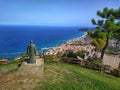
32	51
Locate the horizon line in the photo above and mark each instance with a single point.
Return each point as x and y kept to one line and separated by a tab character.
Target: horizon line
47	25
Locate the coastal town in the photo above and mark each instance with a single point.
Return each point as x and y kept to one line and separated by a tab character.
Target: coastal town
70	45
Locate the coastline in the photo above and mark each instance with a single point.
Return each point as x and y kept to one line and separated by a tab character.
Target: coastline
71	45
78	38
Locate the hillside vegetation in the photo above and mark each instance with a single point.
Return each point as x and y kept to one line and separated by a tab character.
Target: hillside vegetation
59	76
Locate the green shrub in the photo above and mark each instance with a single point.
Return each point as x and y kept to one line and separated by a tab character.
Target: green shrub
81	53
49	57
113	49
70	54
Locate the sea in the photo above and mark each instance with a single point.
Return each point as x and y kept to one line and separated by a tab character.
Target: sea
14	39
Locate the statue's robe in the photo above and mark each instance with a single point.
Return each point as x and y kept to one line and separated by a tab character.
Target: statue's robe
31	51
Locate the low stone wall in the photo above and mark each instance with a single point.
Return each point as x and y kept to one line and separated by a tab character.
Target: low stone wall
112	61
31	69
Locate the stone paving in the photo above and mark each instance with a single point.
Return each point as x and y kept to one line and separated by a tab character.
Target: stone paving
28	68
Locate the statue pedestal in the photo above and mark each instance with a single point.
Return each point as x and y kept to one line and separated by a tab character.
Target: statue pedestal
31	69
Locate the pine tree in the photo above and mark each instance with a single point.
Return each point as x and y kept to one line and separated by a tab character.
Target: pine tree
108	27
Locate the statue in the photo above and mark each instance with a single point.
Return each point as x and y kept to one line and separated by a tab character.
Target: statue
32	51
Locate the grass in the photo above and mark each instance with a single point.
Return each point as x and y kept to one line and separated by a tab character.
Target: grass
69	77
60	76
10	67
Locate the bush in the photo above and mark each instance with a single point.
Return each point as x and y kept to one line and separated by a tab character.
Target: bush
113	50
49	57
81	53
69	54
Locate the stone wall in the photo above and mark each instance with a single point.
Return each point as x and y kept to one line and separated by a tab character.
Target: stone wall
112	61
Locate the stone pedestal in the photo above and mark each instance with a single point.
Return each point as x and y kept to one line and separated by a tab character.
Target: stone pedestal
31	69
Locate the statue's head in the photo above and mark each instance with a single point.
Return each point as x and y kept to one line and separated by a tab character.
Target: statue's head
31	41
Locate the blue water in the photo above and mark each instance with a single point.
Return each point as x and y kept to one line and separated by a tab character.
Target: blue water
16	38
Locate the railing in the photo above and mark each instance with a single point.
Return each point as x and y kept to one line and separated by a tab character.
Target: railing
91	65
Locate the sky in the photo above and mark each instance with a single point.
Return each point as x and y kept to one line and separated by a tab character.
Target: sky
52	12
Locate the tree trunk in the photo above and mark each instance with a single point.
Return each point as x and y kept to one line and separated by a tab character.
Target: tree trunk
105	47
